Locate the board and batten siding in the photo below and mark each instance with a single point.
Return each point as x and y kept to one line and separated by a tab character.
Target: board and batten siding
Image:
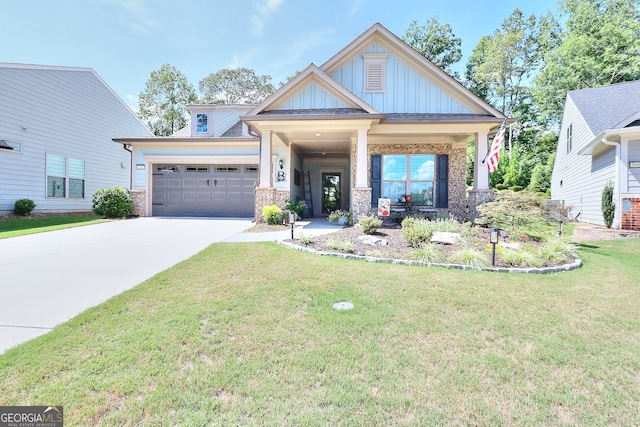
312	96
68	112
578	180
634	173
406	90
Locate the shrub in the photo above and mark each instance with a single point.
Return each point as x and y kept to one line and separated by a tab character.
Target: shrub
23	207
417	231
557	249
521	258
112	202
305	240
512	211
448	225
272	215
297	207
427	254
470	256
340	245
608	205
370	224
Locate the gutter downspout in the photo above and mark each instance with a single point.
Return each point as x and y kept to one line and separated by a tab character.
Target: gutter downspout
127	147
616	181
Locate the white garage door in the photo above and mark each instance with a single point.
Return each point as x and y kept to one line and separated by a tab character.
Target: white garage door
204	190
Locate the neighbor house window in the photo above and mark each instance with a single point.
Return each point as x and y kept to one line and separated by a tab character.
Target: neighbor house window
375	66
65	177
404	175
10	146
202	123
569	138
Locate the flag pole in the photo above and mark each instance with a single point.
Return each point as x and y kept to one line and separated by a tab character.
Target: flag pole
503	123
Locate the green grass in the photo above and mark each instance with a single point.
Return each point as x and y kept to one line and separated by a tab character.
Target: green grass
30	225
244	334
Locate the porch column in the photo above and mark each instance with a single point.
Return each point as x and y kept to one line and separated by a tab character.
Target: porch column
480	170
361	160
265	160
481	192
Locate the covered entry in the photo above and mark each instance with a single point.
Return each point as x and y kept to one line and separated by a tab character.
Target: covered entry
203	190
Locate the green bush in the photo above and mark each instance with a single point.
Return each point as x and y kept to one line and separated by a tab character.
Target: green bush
608	205
470	256
112	202
446	225
428	254
521	258
417	231
23	207
272	215
297	207
370	224
557	249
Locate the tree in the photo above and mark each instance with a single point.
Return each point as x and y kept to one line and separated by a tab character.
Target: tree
501	64
235	86
435	41
163	102
600	46
608	205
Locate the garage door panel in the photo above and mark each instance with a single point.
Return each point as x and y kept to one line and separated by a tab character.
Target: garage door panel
204	190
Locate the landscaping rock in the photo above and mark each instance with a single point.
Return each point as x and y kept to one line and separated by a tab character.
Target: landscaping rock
516	246
373	240
445	238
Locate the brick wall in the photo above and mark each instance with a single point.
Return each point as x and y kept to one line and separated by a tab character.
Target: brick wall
139	202
630	214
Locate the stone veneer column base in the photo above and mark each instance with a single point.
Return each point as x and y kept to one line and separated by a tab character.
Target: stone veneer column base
139	207
476	198
360	201
265	196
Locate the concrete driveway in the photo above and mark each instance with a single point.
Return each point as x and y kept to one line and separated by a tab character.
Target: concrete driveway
48	278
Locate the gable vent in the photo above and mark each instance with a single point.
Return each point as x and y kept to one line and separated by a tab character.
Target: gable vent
374	72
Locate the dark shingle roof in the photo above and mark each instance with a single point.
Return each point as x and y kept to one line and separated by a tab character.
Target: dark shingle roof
606	106
234	131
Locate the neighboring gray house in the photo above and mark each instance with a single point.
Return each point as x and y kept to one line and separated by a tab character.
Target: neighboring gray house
56	130
376	120
600	142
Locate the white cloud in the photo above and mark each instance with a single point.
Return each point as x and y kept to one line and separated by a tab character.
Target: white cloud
138	17
262	12
301	45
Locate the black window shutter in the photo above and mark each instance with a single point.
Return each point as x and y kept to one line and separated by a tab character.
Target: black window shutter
442	181
376	179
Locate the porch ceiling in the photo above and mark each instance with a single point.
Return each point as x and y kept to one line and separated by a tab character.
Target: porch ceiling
319	143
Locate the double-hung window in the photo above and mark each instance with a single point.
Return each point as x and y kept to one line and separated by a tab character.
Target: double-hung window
412	174
65	177
202	123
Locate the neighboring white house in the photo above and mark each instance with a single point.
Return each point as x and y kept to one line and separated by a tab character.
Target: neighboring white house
56	130
600	142
377	119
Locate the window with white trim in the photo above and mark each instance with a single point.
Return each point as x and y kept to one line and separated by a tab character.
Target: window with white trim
569	138
374	72
202	125
412	174
65	177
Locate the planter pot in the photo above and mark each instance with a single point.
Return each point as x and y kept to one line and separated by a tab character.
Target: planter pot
343	220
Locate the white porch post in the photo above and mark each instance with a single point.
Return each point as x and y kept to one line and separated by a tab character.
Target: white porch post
361	160
480	170
265	160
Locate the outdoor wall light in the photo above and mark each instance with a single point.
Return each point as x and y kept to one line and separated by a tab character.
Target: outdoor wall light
140	166
281	163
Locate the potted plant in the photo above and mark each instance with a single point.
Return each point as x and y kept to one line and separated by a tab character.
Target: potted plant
343	217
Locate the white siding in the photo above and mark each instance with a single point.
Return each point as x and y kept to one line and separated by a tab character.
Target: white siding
225	119
407	91
579	179
634	173
68	112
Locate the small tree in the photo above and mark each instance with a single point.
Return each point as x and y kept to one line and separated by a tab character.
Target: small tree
112	202
608	205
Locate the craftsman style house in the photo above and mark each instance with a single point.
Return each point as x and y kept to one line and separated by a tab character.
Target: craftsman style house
375	120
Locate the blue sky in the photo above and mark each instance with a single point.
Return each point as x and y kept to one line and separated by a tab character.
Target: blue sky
124	40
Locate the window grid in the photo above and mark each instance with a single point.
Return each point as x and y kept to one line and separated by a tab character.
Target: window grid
413	175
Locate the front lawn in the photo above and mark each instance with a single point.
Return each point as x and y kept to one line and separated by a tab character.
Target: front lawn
244	334
20	226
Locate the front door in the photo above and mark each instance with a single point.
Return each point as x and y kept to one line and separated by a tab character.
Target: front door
331	199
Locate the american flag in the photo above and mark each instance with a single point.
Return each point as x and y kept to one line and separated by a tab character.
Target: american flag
496	146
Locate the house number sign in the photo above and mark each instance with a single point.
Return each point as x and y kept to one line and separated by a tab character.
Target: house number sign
634	164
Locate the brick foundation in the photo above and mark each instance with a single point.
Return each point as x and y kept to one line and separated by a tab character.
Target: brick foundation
267	196
630	218
360	201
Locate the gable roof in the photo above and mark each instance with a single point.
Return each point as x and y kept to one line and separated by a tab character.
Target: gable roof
377	32
312	74
608	107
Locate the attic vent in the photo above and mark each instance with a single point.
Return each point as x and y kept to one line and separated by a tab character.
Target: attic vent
374	72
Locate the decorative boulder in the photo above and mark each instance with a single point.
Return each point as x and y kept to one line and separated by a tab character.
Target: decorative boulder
445	238
373	241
